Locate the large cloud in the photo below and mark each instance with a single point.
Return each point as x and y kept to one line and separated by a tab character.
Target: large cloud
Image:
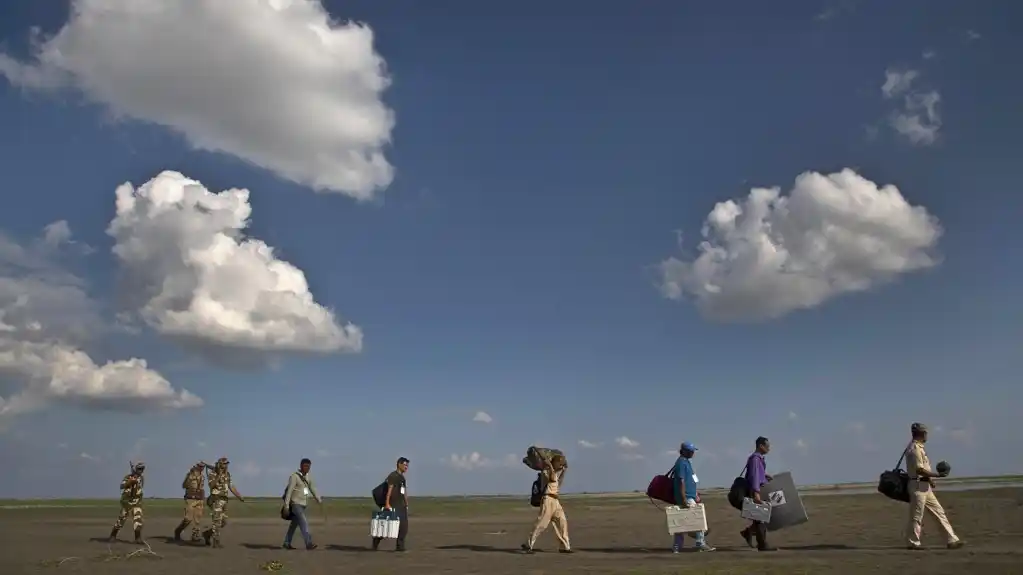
45	315
273	82
196	277
773	254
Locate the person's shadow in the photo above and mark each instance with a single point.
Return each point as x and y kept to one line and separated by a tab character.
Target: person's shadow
349	548
261	546
481	549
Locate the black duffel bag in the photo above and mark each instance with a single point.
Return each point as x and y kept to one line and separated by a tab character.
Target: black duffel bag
739	489
894	484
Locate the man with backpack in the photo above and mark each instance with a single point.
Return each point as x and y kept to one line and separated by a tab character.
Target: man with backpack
391	496
757	477
296	498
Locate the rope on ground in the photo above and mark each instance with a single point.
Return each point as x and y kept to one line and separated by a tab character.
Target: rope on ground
271	566
146	551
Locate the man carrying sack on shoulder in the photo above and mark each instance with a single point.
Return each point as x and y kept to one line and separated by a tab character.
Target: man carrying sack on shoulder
551	510
296	498
921	492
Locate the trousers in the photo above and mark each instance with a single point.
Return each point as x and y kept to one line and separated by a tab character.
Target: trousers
922	500
193	516
135	511
298	521
551	512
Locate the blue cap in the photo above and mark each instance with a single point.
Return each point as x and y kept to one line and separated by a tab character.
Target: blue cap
687	446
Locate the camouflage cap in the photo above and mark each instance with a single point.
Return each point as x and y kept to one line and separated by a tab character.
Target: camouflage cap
139	466
223	461
918	428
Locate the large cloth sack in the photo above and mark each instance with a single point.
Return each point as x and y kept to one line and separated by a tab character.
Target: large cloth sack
536	454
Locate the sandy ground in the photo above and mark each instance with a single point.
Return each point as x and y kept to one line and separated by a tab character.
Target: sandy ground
846	534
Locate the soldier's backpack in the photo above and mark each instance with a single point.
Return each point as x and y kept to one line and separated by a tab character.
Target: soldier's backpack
539	489
894	484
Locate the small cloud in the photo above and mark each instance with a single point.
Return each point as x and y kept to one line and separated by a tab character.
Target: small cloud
626	442
201	444
483	417
56	233
897	82
973	35
961	436
632	456
87	457
928	54
801	445
588	444
793	416
473	461
249	469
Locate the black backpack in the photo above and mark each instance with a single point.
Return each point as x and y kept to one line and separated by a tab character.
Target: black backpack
539	489
739	489
380	494
894	484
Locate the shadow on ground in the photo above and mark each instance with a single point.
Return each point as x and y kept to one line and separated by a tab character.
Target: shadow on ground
481	549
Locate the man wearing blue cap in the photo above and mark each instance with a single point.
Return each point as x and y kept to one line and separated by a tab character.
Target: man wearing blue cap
685	494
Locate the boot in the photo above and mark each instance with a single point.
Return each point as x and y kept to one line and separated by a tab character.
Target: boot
177	530
138	537
376	543
206	535
113	534
760	532
217	544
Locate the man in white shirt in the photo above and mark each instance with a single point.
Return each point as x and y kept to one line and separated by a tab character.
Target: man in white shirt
296	497
921	492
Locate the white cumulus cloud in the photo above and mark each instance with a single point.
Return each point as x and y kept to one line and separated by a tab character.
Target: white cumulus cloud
482	417
626	442
473	461
588	444
276	83
773	254
194	276
46	316
918	118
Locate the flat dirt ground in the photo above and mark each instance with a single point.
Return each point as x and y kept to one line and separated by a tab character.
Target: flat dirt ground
849	534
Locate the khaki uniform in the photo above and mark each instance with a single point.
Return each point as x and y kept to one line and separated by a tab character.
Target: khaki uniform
194	486
131	502
922	497
551	511
220	487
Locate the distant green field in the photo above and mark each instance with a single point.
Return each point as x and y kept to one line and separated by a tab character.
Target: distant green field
454	506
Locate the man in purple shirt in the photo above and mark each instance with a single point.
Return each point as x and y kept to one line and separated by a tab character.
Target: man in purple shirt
756	477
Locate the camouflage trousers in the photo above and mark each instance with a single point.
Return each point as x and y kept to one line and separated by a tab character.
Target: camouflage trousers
193	515
218	516
135	511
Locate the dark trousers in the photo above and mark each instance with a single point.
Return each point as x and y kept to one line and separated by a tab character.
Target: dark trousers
402	529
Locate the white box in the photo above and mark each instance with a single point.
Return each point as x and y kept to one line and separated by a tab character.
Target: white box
686	519
756	511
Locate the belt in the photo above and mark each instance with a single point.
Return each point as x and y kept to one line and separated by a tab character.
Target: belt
195	497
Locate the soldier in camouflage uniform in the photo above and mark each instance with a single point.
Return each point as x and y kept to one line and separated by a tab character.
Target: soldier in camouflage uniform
195	492
220	485
131	502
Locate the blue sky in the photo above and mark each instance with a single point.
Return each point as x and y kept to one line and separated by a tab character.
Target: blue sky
543	162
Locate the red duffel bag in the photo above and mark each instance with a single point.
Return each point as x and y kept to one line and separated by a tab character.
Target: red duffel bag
662	488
